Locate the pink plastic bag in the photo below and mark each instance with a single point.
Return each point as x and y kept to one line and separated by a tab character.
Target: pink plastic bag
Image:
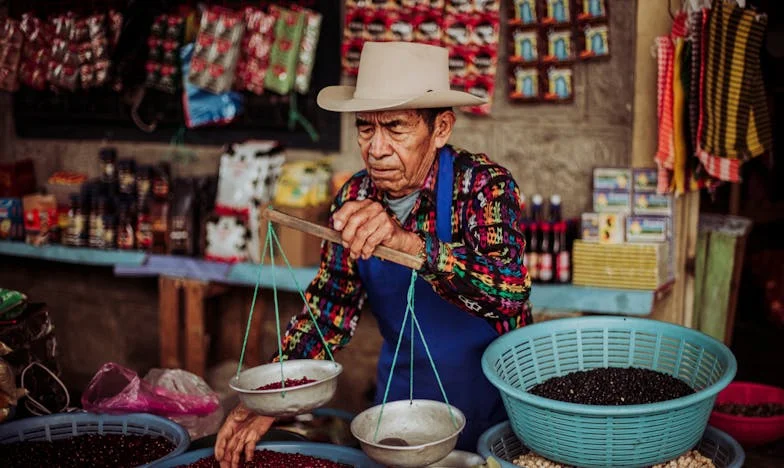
170	393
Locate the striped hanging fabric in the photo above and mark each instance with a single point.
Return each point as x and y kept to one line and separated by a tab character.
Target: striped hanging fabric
665	53
735	122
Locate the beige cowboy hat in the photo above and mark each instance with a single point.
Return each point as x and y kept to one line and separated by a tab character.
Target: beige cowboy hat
398	75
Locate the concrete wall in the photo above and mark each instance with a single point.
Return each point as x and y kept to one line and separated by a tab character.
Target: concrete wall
548	148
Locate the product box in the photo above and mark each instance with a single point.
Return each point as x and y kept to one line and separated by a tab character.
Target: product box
626	266
647	228
645	180
608	201
652	204
611	228
589	228
11	219
609	178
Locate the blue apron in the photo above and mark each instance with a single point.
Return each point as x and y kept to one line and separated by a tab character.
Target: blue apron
456	339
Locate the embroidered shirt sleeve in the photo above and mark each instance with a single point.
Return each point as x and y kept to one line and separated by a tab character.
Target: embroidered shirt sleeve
483	272
335	296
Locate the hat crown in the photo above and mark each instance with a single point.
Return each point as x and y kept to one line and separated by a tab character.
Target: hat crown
392	70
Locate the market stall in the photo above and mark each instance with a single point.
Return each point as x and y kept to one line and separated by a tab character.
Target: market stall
610	307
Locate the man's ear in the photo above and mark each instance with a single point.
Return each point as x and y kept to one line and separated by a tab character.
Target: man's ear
444	124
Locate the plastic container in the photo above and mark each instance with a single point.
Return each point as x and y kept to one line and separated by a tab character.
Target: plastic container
335	453
500	442
750	431
599	436
65	425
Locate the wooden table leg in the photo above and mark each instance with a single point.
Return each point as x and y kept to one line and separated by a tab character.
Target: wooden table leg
195	338
169	322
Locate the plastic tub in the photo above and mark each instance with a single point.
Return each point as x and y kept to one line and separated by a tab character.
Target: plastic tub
335	453
600	436
500	442
750	431
66	425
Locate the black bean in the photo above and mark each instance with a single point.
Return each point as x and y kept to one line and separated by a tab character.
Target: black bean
613	386
94	450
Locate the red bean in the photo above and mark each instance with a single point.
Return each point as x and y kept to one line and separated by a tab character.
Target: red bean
289	383
107	450
271	459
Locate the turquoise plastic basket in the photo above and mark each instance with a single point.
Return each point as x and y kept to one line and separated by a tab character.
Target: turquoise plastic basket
501	443
600	436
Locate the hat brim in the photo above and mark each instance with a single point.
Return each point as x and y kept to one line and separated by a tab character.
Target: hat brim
341	99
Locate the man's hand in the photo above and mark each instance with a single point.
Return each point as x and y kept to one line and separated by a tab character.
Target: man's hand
240	433
364	225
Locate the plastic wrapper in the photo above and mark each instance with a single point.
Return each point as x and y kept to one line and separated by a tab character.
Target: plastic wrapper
172	393
560	47
524	83
355	25
593	41
307	51
591	9
559	84
423	4
402	27
226	238
524	46
238	175
162	67
487	6
461	62
525	12
203	108
485	31
379	25
350	57
12	304
255	50
11	39
459	30
557	12
428	27
217	50
11	219
455	7
9	392
304	184
289	29
482	86
485	61
36	52
40	218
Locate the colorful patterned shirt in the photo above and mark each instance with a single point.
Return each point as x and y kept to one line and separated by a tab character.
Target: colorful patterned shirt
481	271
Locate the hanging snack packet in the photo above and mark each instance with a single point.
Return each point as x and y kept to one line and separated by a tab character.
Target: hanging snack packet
525	12
217	50
455	7
350	57
379	25
163	67
458	30
525	46
356	24
428	27
461	61
307	51
557	12
559	46
560	87
403	27
482	86
204	108
594	41
11	39
591	9
36	52
485	31
238	176
289	29
40	218
255	50
485	61
524	83
487	6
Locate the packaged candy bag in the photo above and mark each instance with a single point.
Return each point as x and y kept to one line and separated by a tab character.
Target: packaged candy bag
594	41
350	57
217	50
289	29
11	39
255	50
482	86
163	66
204	108
307	51
226	238
36	52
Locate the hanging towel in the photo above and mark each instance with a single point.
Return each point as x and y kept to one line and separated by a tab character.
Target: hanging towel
736	125
665	153
678	182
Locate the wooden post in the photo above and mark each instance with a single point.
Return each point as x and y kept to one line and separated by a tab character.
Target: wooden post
195	338
169	322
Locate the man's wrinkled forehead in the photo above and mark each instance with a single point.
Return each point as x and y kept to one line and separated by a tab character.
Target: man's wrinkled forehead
399	117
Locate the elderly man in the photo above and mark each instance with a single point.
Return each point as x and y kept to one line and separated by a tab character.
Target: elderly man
458	211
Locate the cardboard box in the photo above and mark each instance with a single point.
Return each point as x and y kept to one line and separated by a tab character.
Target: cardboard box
647	228
302	250
611	228
608	201
645	180
614	179
652	204
627	266
589	228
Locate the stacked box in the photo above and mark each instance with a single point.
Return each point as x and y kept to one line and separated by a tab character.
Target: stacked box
626	266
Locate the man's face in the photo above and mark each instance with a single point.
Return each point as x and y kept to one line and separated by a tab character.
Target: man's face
397	148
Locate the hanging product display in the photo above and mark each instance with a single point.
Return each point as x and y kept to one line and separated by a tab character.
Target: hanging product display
545	38
36	52
11	39
202	107
255	50
289	30
217	50
166	36
307	52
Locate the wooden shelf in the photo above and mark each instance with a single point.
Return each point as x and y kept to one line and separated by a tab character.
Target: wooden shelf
138	264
